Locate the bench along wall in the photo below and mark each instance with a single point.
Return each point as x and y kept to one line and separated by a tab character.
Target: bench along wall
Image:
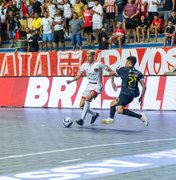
55	92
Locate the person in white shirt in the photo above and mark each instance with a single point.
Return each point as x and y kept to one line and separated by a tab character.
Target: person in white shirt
58	26
152	8
47	30
67	12
93	70
97	19
51	9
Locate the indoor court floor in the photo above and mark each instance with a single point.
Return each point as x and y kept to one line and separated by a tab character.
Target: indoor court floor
35	145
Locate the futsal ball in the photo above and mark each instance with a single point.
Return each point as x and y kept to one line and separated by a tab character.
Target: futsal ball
67	122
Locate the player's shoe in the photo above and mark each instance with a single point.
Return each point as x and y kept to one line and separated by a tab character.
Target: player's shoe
107	121
80	122
144	119
94	117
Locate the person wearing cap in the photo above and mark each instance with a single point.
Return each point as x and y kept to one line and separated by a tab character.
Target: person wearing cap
93	71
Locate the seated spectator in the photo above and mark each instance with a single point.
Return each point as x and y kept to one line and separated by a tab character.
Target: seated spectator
142	28
76	25
156	27
118	36
28	33
170	32
173	18
130	12
87	16
103	39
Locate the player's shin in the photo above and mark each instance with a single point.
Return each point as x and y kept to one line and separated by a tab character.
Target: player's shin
112	111
131	113
85	109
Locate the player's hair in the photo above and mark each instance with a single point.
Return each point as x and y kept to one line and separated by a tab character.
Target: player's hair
91	51
132	59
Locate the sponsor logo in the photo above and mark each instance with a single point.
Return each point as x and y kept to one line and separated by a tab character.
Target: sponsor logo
101	168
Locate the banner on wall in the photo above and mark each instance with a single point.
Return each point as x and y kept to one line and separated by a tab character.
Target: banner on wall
55	92
151	61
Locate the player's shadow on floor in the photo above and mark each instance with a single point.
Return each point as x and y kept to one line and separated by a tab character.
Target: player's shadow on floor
97	130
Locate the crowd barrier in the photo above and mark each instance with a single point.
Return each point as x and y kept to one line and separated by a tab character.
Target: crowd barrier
150	61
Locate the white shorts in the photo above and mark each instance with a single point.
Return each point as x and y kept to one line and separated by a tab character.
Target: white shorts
97	24
97	88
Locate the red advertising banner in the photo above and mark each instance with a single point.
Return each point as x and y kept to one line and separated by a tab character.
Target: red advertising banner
55	92
151	61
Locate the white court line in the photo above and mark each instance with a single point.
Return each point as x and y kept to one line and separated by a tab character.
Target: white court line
86	147
71	160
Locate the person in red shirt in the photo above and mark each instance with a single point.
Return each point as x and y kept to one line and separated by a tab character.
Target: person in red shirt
87	17
118	36
156	27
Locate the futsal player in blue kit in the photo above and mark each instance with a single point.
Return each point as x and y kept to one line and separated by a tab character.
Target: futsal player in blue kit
131	77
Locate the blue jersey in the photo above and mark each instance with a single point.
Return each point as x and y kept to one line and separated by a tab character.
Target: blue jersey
130	77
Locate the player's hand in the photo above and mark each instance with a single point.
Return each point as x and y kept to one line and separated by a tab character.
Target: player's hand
69	81
114	87
140	100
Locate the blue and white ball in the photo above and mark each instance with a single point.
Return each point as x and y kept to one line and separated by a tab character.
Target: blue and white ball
67	122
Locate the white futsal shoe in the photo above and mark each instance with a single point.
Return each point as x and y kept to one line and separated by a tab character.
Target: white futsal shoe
144	119
107	121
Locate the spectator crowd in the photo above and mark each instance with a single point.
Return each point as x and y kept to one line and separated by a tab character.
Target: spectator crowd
104	22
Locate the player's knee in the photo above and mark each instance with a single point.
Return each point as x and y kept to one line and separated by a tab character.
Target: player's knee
119	110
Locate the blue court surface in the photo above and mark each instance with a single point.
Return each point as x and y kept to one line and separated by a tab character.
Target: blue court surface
35	145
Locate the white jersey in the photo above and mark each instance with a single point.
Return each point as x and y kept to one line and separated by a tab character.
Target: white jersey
94	71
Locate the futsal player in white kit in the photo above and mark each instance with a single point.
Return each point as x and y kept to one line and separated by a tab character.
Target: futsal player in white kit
93	70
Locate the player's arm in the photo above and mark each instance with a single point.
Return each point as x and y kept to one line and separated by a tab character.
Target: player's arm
75	78
143	91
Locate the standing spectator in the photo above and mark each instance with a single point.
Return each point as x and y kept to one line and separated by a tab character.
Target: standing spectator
142	7
78	7
103	39
97	19
90	3
47	31
76	25
13	8
142	28
58	24
110	9
11	27
152	8
51	9
67	10
87	16
169	6
3	16
24	8
156	27
28	33
130	12
170	32
18	27
37	7
173	18
120	6
59	4
118	36
36	22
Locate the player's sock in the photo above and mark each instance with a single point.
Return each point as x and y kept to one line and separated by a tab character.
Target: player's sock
85	109
91	112
112	111
131	113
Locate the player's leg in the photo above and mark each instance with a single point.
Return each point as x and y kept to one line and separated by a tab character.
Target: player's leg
86	106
